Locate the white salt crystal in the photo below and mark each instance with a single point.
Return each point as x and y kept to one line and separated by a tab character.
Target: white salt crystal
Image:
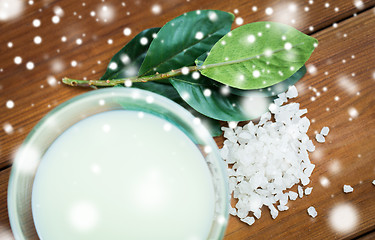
274	212
292	92
292	195
304	125
301	112
273	108
268	158
324	131
232	211
264	118
347	189
310	146
373	182
282	208
304	180
320	138
282	97
257	213
224	152
309	169
242	213
308	190
300	191
278	101
248	220
283	199
312	212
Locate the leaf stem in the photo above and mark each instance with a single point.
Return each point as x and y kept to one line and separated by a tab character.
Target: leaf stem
158	76
109	83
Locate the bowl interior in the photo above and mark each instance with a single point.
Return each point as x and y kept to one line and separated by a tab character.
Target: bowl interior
67	114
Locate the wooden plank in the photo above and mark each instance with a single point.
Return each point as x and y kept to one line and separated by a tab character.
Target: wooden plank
348	155
24	88
29	89
369	236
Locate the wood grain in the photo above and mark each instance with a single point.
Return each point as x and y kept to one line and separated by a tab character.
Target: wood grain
34	97
369	236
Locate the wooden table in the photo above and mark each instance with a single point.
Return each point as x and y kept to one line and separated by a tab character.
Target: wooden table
343	62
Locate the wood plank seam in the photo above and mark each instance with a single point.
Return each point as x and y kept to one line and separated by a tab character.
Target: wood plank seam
370	7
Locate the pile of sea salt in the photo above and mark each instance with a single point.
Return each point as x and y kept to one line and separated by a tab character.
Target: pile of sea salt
269	158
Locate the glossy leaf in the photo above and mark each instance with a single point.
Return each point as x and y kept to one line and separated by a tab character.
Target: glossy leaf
268	91
128	60
215	103
136	53
183	39
274	89
168	91
258	55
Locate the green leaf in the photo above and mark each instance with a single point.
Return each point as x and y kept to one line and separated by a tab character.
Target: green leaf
128	60
274	89
258	55
214	103
183	39
268	91
136	53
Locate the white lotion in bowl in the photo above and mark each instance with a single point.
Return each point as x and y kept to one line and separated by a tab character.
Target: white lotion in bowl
123	175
